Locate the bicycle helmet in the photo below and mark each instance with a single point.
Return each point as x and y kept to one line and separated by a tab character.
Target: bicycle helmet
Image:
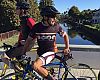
23	5
49	11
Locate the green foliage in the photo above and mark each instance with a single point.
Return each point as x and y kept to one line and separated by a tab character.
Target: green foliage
87	14
7	15
74	11
44	3
74	15
96	26
8	18
34	10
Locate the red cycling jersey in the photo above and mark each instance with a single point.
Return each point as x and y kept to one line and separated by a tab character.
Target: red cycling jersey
27	24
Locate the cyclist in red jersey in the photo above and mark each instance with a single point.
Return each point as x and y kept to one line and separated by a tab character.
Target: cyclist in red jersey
45	32
26	23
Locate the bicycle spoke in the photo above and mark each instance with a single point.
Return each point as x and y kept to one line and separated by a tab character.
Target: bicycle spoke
82	71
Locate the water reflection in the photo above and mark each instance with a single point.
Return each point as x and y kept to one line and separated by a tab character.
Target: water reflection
78	36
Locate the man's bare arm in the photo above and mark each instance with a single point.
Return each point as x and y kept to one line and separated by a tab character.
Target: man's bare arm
66	41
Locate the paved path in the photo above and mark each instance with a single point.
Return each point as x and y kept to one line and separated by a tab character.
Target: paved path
90	58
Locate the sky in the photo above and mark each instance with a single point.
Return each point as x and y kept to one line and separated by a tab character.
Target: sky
65	5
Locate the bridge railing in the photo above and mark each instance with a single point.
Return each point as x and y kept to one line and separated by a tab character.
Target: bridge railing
81	47
93	48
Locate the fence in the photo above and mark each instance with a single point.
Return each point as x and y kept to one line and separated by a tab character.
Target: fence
9	34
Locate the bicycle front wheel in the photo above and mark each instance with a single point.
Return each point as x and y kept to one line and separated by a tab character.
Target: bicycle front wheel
80	72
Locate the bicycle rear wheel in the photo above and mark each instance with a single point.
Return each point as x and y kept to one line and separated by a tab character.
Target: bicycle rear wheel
4	69
21	76
16	76
81	72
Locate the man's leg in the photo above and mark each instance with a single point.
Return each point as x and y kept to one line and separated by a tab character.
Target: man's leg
38	65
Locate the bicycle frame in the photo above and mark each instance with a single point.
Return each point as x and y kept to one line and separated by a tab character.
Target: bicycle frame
27	69
61	65
55	64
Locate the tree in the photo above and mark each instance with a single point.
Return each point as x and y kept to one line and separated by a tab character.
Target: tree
7	15
87	14
74	13
34	10
44	3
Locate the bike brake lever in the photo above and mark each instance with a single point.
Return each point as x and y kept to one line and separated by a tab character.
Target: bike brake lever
68	56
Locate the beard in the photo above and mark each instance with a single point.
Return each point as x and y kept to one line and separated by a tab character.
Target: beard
54	23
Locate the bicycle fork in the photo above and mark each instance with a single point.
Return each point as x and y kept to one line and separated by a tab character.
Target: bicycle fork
66	69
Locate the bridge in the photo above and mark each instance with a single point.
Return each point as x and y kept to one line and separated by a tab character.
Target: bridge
88	54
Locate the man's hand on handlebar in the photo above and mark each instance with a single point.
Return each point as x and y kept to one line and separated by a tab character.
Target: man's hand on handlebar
67	54
66	51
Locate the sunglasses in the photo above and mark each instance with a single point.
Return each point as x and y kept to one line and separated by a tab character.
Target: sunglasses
51	16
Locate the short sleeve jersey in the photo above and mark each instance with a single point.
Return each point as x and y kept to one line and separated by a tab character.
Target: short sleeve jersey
45	36
26	25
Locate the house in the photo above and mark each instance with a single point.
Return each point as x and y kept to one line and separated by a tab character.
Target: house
96	17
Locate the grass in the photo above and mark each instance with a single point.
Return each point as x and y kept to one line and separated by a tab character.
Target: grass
11	41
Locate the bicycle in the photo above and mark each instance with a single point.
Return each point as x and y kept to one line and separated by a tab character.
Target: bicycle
76	71
3	66
99	75
22	68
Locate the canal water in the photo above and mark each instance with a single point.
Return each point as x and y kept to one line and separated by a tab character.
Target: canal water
77	39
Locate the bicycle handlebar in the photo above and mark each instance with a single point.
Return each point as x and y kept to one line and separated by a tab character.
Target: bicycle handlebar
6	46
63	57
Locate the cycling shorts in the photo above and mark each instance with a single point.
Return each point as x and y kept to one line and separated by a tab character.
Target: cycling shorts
47	57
